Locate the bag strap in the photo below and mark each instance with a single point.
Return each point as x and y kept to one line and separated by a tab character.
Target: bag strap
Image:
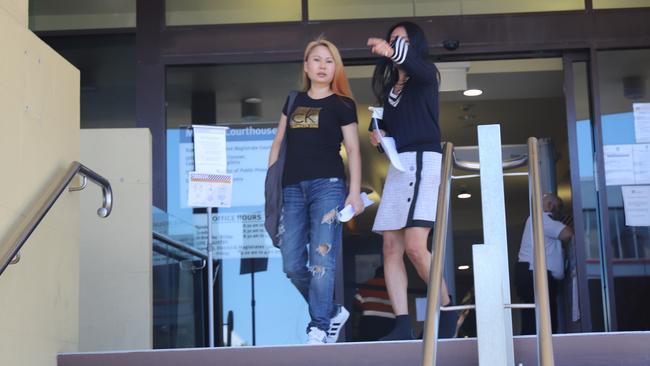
292	98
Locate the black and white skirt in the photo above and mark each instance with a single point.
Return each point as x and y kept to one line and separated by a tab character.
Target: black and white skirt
410	198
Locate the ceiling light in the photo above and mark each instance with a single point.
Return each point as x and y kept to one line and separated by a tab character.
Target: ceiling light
464	267
464	194
472	92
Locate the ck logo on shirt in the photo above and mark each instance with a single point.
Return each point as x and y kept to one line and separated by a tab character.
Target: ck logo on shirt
305	117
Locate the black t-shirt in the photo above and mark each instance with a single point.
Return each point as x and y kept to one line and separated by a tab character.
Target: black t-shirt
314	137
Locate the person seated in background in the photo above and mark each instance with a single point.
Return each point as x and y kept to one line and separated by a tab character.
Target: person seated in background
376	313
555	232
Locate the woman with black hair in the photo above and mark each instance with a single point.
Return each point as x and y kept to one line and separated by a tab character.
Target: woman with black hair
406	85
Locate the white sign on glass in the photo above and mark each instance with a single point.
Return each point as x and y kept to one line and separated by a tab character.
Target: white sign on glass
619	164
210	149
642	163
641	121
237	235
636	204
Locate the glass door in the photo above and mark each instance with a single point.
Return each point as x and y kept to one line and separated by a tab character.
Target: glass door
589	254
623	77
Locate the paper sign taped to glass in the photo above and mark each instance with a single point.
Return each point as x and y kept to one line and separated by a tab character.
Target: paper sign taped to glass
209	190
210	149
636	205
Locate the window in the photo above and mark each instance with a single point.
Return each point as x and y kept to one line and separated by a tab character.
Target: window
191	12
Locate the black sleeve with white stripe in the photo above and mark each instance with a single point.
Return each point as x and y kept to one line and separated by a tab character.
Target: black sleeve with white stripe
418	69
401	48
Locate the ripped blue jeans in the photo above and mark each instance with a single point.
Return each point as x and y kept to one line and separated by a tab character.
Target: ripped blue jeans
311	241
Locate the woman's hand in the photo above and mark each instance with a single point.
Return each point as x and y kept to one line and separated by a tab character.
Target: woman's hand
380	47
356	202
374	136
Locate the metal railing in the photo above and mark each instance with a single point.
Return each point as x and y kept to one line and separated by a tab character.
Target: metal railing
186	249
542	304
430	337
182	247
18	239
473	166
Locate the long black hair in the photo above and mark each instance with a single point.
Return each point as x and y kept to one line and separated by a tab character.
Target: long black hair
385	74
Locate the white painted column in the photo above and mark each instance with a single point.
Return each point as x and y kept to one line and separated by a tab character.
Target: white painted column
490	317
498	335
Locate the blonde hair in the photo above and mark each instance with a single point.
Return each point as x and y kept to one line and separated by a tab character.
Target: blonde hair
340	84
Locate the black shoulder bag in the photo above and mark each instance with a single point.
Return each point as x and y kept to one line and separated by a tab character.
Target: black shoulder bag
273	185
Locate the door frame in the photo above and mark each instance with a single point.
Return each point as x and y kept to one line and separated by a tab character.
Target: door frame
589	57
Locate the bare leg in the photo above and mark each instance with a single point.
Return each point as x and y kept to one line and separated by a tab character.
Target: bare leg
397	283
395	270
415	242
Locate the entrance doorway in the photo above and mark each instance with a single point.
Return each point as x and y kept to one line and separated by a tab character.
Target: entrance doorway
541	97
525	97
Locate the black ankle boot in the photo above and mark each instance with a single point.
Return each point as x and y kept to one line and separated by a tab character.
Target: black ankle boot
402	330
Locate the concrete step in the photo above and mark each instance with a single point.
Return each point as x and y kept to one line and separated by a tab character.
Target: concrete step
584	349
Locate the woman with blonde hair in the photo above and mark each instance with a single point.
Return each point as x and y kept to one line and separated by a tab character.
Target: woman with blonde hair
315	122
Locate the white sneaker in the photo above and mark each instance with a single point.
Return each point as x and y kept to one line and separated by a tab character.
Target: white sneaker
316	336
336	324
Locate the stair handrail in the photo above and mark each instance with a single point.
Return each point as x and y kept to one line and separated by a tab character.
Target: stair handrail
18	239
542	303
430	337
182	246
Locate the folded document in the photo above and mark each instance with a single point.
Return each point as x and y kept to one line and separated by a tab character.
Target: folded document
348	211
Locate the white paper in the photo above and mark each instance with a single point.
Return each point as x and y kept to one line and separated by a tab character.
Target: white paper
377	112
642	163
636	204
619	164
210	149
209	190
641	121
348	212
388	144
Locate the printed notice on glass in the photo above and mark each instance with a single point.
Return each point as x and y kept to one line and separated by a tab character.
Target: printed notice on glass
636	204
642	163
619	165
210	149
641	121
235	235
209	190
